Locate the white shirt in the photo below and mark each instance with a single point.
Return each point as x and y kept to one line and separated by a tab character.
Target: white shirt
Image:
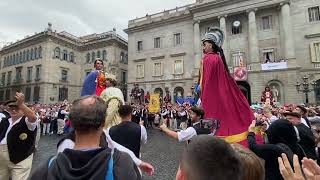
31	126
144	135
68	144
303	121
187	134
64	112
2	116
273	119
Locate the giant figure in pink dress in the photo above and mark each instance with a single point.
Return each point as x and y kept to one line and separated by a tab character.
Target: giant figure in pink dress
221	98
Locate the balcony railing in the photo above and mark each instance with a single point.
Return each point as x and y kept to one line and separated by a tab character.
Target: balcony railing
18	81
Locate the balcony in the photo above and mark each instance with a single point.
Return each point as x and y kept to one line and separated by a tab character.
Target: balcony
17	81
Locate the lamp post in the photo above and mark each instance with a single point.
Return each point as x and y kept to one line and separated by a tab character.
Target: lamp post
305	88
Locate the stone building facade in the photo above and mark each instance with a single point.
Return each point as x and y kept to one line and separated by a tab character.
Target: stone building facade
50	67
275	42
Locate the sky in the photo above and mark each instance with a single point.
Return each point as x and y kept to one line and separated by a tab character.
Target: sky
19	18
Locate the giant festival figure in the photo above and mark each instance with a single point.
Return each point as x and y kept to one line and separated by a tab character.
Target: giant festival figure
267	96
221	98
94	82
113	97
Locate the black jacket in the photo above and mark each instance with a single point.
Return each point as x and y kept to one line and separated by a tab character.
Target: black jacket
269	153
87	165
307	141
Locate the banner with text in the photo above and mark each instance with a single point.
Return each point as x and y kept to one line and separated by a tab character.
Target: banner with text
272	66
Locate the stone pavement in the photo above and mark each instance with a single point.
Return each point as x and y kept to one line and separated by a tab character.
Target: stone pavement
161	151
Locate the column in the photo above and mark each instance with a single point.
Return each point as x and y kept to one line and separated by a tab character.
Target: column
225	46
288	42
253	38
197	43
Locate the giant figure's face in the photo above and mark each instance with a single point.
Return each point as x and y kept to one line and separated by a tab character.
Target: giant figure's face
207	47
98	65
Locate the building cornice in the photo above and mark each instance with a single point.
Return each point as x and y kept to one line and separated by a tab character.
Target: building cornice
157	57
178	54
159	23
140	60
224	7
309	36
99	41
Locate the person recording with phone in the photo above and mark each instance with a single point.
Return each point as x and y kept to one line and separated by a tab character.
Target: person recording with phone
196	129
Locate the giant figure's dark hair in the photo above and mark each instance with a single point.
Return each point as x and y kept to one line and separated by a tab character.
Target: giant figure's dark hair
218	50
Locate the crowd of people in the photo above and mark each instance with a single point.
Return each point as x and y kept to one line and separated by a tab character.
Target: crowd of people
102	134
282	142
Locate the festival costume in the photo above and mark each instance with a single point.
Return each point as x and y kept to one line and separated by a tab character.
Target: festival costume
267	97
114	98
94	83
222	99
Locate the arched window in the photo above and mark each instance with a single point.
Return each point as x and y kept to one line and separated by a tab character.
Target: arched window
98	54
32	54
178	93
17	58
88	58
65	55
10	61
93	58
20	57
28	55
71	57
14	59
159	91
40	52
277	91
5	61
57	53
317	91
122	57
104	55
24	56
126	58
35	53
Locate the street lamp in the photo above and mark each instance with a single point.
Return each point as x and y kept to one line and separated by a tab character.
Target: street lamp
305	88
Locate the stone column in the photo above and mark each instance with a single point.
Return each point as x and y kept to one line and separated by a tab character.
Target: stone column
225	45
197	43
253	38
288	42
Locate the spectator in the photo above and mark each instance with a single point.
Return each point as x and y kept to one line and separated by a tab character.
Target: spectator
61	118
303	113
196	129
129	134
306	137
88	160
252	165
282	138
208	157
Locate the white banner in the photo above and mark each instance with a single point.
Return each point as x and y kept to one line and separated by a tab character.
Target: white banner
272	66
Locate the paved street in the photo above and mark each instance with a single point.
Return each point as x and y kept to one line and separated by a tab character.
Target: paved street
162	152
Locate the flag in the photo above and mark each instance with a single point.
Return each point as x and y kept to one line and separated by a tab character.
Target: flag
154	106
